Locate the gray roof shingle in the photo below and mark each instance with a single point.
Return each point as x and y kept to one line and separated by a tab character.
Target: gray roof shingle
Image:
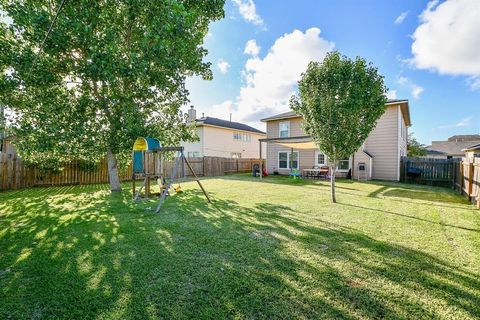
227	124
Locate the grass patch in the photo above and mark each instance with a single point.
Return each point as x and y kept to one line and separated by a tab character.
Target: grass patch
275	248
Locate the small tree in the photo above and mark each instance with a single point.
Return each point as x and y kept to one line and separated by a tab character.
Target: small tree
108	72
414	147
340	101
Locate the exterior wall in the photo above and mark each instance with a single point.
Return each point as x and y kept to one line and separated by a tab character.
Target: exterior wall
295	127
472	153
383	144
219	142
358	157
387	143
195	146
306	158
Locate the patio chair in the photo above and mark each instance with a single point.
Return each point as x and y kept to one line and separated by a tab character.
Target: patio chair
324	172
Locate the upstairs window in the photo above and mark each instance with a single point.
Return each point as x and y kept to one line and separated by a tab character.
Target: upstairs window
284	129
242	137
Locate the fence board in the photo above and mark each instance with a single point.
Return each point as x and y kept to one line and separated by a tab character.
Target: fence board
14	174
438	172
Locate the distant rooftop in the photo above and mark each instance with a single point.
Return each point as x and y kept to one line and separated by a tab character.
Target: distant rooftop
227	124
465	137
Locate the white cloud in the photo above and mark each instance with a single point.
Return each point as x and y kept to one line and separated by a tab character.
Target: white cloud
392	94
270	81
223	66
249	12
252	48
415	89
462	123
446	41
401	17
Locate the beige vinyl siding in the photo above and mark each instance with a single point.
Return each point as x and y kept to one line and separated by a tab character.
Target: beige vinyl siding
360	156
382	143
306	158
196	146
295	127
386	143
219	142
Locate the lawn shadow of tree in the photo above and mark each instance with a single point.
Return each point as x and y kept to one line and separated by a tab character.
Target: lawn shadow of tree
85	253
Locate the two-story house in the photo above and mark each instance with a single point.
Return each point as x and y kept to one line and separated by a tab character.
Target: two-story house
222	138
289	147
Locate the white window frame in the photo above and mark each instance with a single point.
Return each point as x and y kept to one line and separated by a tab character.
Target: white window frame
236	155
289	153
349	165
193	154
317	153
280	129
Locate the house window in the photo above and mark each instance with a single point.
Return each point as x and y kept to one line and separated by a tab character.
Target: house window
284	129
343	165
242	137
476	155
236	155
284	158
193	154
320	159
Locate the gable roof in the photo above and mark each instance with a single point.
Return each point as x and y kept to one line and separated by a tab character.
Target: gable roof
471	148
226	124
402	102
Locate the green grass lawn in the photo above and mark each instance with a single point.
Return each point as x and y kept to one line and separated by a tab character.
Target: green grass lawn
271	249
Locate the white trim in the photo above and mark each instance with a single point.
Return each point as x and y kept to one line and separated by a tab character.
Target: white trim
279	131
398	140
281	118
315	161
349	165
288	160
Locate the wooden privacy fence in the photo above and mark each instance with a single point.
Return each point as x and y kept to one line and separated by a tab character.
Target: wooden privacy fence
14	174
463	175
470	179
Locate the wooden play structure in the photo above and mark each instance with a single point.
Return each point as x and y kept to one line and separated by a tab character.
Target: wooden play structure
148	164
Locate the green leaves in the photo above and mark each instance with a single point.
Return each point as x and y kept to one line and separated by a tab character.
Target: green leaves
341	101
414	147
110	71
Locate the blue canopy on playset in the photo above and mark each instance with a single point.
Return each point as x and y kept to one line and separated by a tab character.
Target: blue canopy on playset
140	146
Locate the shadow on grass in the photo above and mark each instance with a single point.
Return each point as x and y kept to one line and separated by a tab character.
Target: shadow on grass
85	253
409	217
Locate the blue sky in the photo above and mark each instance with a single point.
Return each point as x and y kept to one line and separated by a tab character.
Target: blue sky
428	51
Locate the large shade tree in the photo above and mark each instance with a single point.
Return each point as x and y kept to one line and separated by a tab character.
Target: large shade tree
340	100
109	71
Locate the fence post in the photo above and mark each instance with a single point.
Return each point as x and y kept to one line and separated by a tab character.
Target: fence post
470	181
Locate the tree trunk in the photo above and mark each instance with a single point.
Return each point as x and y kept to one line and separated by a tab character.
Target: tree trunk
332	184
113	172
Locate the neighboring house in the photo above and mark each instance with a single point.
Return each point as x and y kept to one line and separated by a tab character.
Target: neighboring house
453	147
222	138
379	157
472	151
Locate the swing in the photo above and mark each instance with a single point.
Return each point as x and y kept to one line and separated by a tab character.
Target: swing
148	164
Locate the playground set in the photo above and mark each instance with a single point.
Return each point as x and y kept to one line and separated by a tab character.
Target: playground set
148	164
